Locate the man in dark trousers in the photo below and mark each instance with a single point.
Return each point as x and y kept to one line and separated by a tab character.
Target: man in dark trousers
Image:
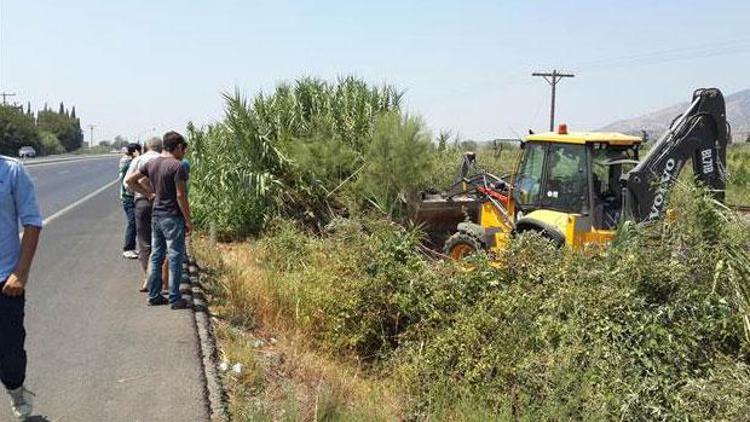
17	203
170	218
128	203
143	208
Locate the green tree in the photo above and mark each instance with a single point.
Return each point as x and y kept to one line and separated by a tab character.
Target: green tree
50	144
397	160
67	130
17	130
442	140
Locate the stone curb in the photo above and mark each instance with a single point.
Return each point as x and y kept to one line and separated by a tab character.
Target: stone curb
217	403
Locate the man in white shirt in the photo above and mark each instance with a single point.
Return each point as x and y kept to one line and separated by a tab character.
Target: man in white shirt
143	207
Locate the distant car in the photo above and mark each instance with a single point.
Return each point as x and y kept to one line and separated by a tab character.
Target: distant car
26	152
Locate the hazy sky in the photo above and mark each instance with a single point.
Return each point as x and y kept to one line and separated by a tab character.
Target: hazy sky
130	66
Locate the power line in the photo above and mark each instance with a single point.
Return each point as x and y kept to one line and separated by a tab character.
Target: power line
552	79
669	55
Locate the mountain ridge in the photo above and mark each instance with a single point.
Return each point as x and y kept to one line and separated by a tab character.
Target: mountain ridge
655	123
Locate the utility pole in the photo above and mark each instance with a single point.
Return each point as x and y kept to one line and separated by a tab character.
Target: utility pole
5	95
91	139
552	79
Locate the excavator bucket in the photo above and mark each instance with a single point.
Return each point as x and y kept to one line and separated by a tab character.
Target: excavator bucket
439	215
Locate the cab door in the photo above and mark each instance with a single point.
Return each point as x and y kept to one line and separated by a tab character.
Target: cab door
529	177
565	182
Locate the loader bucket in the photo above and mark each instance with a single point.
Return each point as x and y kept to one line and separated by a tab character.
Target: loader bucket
439	216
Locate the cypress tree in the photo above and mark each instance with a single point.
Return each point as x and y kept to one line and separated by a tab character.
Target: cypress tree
62	108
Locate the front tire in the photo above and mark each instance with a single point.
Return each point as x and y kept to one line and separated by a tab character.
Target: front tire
461	245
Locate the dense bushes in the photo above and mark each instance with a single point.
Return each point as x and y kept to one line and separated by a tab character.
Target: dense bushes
654	326
738	162
651	328
299	151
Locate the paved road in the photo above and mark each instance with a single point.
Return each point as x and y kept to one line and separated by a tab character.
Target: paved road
96	351
60	184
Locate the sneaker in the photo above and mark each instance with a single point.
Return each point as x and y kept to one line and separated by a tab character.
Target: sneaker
158	300
20	402
130	255
179	304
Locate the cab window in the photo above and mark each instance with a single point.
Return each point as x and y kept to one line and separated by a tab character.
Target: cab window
609	164
529	180
567	179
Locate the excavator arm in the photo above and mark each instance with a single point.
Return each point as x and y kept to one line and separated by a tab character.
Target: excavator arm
700	134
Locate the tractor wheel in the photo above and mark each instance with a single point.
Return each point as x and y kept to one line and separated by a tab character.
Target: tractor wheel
462	244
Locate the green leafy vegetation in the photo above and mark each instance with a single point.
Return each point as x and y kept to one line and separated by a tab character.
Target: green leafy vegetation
738	162
655	326
309	151
48	132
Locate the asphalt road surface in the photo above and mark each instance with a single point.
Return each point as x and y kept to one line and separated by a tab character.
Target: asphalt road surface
96	351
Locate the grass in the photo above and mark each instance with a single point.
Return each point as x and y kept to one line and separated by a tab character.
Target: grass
365	327
284	378
738	162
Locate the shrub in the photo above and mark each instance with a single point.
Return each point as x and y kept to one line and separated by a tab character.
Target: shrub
230	190
50	144
272	156
627	333
738	162
639	330
397	160
346	288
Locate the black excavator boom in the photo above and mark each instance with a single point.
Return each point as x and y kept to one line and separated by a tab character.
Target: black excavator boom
700	134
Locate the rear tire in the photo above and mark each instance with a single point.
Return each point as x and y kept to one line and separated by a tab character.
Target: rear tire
555	238
462	244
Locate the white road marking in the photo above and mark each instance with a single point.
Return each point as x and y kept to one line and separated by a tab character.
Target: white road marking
32	165
63	172
65	210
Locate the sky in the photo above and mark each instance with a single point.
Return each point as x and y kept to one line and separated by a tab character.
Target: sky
138	68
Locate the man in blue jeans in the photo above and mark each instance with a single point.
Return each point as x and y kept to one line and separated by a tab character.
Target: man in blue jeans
17	203
170	218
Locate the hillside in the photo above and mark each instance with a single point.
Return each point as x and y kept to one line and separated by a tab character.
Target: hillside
655	123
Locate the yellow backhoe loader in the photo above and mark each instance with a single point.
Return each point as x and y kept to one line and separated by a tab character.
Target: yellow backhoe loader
575	187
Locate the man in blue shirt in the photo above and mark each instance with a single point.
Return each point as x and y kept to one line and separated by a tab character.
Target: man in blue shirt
17	204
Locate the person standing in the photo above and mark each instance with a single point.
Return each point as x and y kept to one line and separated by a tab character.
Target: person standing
143	207
17	203
170	217
132	151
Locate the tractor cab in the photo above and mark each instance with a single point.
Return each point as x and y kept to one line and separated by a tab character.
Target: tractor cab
574	173
574	188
